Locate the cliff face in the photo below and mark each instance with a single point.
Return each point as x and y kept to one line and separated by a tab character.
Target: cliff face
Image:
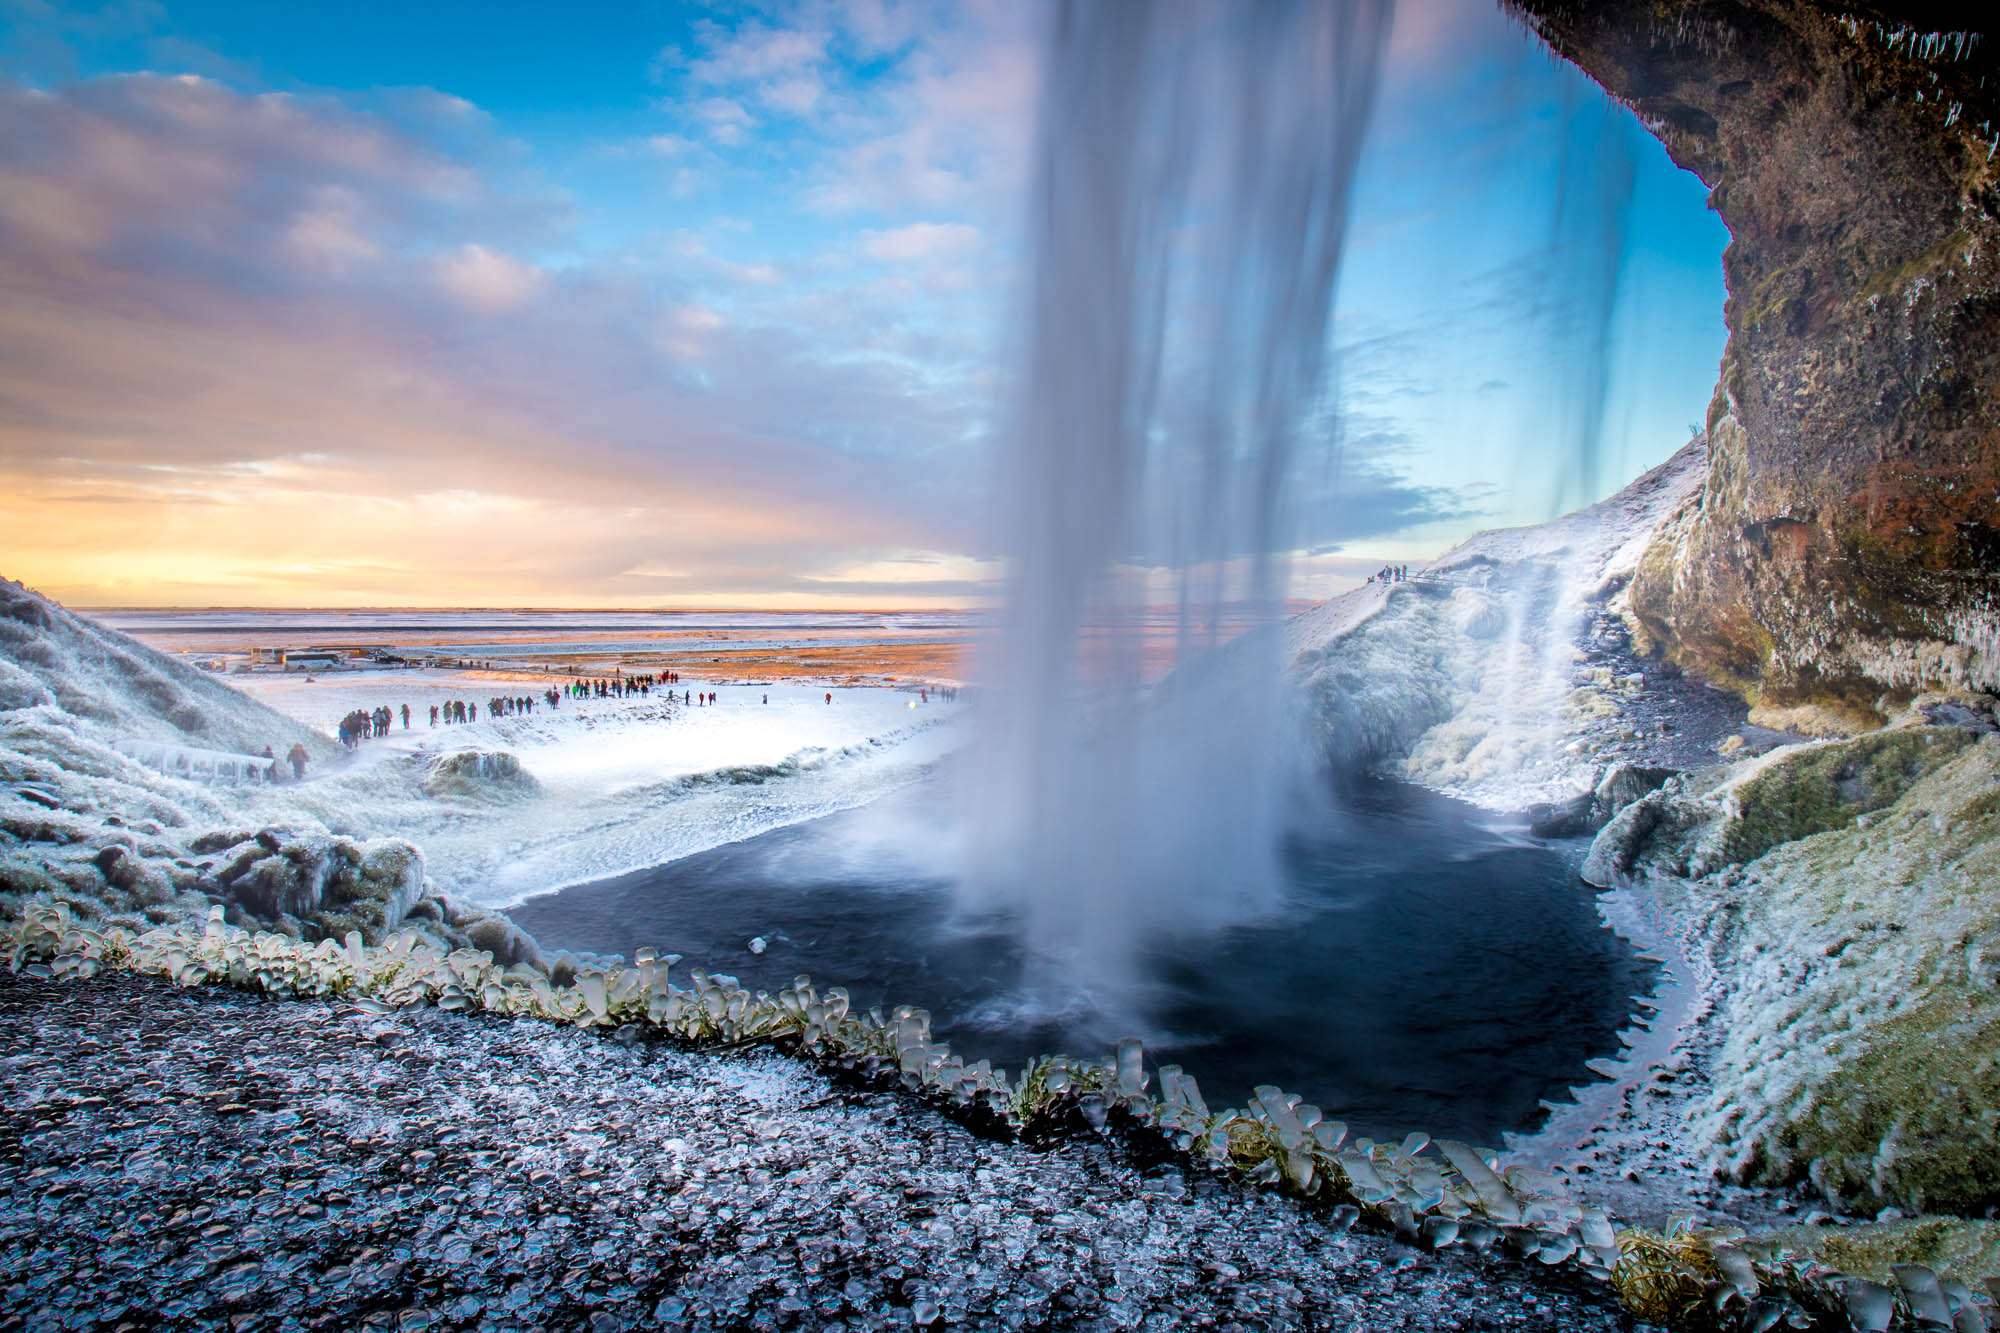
1846	544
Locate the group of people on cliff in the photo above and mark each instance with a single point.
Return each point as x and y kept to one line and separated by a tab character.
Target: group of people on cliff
361	724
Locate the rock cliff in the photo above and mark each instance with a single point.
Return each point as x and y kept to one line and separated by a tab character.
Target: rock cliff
1846	544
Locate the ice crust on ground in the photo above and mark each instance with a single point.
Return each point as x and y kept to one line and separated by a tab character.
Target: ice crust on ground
422	1169
1469	677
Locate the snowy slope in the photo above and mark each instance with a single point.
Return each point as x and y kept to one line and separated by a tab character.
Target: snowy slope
1466	676
53	659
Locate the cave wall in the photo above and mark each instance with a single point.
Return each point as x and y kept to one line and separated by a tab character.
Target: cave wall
1846	545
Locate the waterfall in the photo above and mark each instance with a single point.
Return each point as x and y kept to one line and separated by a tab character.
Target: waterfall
1190	204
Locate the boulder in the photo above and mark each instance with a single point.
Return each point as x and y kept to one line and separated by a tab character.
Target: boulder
1734	815
282	874
480	774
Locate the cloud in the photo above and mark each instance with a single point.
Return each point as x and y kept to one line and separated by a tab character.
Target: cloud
780	67
728	123
669	145
922	242
247	351
488	281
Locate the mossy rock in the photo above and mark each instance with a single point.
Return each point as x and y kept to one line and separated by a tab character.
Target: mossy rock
1728	817
1804	790
1915	1119
1963	1249
1859	970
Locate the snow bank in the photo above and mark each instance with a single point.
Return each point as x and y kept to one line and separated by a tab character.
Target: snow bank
1467	676
508	807
115	687
87	815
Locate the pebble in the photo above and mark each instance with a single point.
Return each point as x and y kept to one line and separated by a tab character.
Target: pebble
577	1183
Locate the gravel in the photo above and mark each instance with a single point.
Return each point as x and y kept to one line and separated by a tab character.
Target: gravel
213	1159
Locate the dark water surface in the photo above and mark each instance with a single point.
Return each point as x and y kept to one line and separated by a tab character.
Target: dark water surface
1431	970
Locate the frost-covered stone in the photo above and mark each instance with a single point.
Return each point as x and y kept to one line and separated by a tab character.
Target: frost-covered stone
1842	895
316	1163
480	774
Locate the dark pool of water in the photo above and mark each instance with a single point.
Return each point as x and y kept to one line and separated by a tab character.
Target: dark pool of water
1431	970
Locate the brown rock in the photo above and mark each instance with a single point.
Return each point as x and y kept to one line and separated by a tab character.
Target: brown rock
1847	542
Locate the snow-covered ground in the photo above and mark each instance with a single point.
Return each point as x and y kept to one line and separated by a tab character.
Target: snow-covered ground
1471	678
624	783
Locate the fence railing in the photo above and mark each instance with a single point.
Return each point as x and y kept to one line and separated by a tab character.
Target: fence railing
222	768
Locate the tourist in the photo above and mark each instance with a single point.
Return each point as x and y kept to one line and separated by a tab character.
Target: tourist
298	756
406	717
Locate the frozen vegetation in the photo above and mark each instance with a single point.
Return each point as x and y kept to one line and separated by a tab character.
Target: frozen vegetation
1843	891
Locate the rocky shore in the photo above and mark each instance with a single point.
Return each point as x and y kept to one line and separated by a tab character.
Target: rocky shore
211	1159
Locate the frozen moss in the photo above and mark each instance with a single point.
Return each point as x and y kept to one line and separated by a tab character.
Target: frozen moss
1844	895
1956	1248
1731	816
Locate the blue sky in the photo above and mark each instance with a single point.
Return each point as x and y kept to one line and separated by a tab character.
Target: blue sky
648	304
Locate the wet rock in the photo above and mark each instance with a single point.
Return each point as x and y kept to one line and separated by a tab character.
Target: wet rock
1623	784
1569	819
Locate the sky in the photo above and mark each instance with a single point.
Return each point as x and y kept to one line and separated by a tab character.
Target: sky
648	304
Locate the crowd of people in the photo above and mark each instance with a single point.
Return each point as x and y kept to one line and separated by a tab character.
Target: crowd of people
366	724
1390	574
618	687
360	725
